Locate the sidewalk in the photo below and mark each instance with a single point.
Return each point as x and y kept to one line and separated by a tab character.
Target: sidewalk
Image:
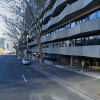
74	78
92	73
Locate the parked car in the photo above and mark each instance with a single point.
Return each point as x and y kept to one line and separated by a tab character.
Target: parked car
26	61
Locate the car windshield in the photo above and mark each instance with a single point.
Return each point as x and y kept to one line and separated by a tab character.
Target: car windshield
26	60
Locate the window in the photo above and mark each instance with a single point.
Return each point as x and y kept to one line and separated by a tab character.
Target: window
73	42
87	18
67	26
98	13
79	21
78	41
92	16
83	20
57	30
48	34
73	24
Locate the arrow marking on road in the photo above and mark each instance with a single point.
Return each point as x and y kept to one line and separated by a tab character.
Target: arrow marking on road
24	78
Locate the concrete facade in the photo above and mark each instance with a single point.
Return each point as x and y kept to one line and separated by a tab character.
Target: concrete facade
73	34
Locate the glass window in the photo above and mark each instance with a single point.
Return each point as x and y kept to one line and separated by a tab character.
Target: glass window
78	41
79	21
57	30
67	26
73	42
94	37
67	4
92	16
98	13
62	29
83	20
87	18
91	37
73	24
48	34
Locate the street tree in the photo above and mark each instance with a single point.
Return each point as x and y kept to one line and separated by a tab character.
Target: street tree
31	13
35	9
15	21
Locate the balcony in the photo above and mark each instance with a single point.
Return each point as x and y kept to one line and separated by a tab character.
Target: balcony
32	43
81	29
89	51
78	5
85	27
59	35
57	3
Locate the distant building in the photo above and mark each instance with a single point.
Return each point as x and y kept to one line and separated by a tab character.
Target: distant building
2	43
9	45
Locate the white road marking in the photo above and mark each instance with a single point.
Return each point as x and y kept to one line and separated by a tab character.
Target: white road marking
17	64
24	78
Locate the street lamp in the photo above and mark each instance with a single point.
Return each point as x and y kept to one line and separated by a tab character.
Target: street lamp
27	45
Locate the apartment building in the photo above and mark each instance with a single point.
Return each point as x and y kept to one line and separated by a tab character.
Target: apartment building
70	33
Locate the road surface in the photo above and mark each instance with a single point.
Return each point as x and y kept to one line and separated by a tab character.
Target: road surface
21	82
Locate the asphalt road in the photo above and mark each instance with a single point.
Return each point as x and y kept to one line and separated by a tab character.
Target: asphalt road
20	82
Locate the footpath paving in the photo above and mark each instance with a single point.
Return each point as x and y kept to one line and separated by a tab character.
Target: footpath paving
78	80
85	71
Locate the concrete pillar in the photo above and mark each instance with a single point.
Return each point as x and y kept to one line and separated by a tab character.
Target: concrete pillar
71	60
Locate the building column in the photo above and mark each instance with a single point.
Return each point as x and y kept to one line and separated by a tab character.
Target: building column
71	60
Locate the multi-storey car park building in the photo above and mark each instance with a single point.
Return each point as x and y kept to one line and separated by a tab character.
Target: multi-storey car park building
71	33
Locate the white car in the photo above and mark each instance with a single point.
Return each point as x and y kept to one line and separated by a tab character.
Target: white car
26	61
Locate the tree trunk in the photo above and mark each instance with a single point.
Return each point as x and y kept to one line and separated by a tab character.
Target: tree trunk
41	54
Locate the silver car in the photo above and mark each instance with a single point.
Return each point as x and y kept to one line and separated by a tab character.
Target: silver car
26	61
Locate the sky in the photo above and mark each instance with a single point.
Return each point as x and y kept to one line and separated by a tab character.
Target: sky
3	11
3	25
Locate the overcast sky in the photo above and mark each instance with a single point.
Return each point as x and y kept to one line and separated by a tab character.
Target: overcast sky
2	25
3	11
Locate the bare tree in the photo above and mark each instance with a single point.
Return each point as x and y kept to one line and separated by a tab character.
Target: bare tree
30	14
36	15
15	20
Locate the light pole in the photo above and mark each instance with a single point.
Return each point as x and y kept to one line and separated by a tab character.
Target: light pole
27	46
82	65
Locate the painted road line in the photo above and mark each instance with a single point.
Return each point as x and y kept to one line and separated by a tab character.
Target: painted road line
17	64
24	78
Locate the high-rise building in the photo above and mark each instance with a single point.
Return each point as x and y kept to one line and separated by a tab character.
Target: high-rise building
2	43
70	32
